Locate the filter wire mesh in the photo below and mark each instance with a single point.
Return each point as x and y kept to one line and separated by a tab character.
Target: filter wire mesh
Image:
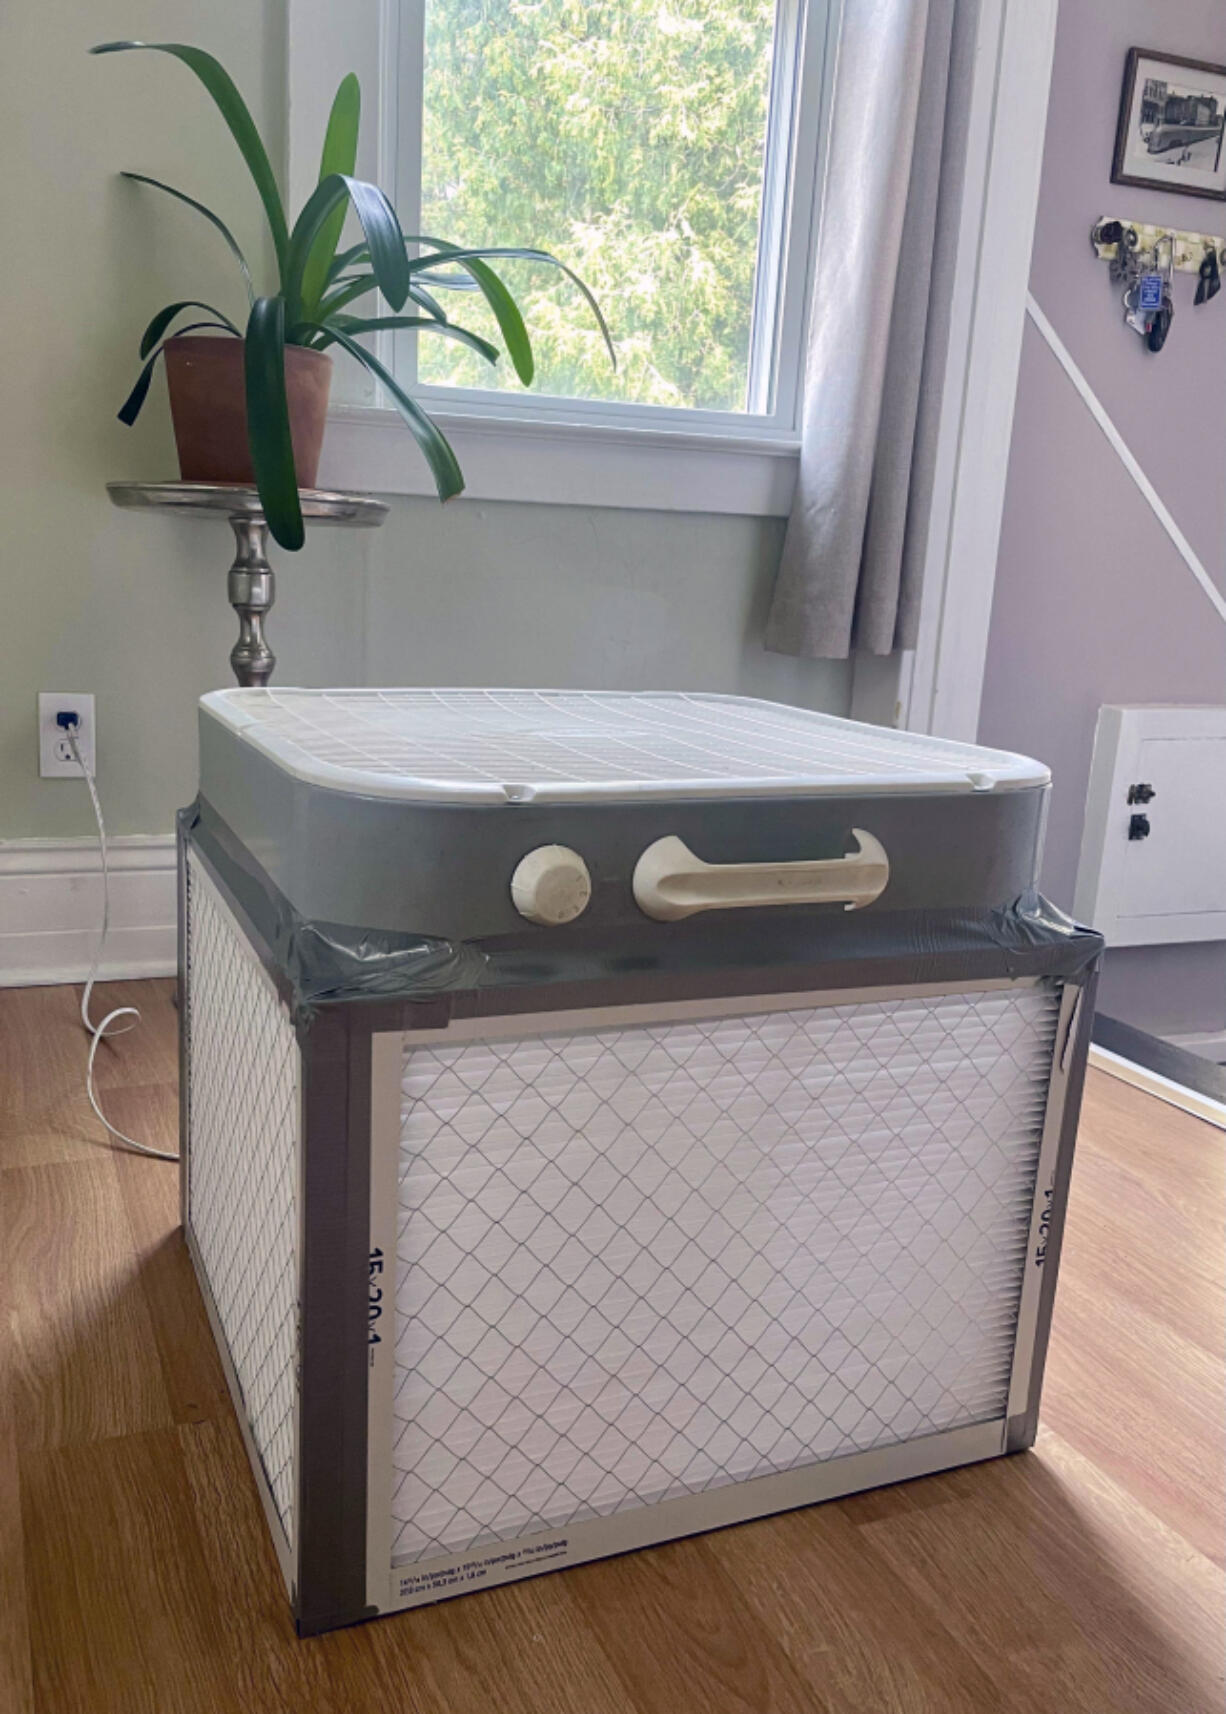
640	1263
243	1104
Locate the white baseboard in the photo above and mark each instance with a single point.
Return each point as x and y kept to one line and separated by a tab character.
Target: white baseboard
51	909
1209	1044
1141	1077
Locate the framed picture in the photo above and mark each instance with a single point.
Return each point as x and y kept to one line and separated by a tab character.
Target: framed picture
1169	135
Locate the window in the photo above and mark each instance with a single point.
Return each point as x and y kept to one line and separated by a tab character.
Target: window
667	150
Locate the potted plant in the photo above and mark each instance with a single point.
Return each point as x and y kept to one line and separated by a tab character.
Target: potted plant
250	407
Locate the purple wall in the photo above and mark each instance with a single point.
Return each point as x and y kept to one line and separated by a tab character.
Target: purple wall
1092	603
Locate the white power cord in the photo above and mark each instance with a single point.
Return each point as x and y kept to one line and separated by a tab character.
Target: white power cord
98	1031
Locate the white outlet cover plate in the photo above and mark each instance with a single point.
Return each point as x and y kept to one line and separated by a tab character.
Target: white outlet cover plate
55	758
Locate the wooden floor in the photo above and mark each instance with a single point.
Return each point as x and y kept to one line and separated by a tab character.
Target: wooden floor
135	1572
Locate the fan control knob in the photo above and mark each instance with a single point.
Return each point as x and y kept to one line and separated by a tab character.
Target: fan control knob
551	885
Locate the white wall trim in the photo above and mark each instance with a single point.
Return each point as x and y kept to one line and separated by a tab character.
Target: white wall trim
1208	1044
1176	1094
941	685
568	464
1126	456
51	909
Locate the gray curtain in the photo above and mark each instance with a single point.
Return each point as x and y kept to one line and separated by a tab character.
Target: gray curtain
878	331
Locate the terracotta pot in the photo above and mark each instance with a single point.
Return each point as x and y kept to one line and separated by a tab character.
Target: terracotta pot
208	406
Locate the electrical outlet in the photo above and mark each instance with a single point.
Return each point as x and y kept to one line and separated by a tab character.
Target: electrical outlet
55	757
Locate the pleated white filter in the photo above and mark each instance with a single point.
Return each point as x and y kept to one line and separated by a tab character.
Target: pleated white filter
638	1263
243	1091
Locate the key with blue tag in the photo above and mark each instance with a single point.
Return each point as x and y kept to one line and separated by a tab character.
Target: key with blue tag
1149	293
1140	320
1164	265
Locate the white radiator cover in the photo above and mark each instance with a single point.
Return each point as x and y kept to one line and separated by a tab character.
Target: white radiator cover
640	1263
1163	881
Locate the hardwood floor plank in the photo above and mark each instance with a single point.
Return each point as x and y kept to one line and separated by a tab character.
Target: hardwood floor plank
1025	1572
523	1649
59	1131
146	1112
124	1615
1181	1592
191	1369
1154	1195
1171	1278
674	1625
80	1337
815	1584
560	1663
272	1671
16	1673
44	1113
149	1051
16	1668
1132	1395
1180	1156
40	1059
1135	1376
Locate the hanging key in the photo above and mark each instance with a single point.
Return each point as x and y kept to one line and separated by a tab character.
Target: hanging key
1209	283
1164	266
1138	315
1149	293
1161	324
1122	265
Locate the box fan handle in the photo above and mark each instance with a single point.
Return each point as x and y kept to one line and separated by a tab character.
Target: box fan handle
670	882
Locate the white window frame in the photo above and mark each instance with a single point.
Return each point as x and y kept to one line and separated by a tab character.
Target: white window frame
784	260
937	686
520	444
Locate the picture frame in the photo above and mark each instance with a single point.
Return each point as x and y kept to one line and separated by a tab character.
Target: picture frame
1171	133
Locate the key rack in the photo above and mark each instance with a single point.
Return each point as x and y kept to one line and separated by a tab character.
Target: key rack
1144	259
1189	247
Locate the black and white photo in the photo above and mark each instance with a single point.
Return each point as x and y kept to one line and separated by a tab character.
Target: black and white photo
1170	132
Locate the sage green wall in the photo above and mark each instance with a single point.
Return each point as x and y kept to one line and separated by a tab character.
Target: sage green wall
133	607
482	593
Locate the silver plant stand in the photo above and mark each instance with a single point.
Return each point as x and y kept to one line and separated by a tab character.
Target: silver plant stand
252	584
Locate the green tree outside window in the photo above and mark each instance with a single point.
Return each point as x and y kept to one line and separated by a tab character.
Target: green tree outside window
628	137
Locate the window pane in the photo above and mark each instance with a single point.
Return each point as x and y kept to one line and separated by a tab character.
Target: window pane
628	137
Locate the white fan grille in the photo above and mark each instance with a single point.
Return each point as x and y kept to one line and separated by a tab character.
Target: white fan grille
642	1263
550	744
243	1107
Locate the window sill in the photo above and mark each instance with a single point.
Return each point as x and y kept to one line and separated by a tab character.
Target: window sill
567	464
